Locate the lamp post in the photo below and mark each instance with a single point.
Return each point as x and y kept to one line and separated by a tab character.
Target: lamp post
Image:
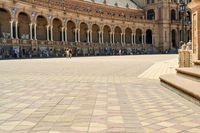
182	8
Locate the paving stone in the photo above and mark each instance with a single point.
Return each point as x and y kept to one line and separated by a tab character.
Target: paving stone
97	94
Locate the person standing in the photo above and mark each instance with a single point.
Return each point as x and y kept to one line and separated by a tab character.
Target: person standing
70	53
67	52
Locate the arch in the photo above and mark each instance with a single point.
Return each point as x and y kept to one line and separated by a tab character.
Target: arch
138	36
118	33
23	26
173	14
189	17
4	23
149	39
150	14
106	34
148	1
95	33
57	29
57	18
71	31
83	32
128	35
41	28
174	41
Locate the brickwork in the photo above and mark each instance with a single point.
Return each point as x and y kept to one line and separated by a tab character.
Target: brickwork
58	25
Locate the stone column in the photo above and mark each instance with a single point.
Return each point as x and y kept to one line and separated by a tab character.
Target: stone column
63	34
31	34
88	36
134	41
35	31
124	38
99	36
51	33
11	29
79	37
142	38
75	35
91	36
16	29
110	37
121	38
102	37
47	32
113	37
132	38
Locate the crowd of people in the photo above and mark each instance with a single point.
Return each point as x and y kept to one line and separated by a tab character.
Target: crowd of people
11	53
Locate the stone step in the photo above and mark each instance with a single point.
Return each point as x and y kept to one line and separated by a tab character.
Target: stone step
190	73
188	88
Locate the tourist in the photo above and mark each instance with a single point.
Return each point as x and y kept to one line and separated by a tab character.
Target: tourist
70	53
120	52
67	52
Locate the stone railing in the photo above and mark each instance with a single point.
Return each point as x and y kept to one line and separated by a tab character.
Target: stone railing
185	55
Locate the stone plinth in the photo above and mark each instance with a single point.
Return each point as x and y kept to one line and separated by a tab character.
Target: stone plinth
185	58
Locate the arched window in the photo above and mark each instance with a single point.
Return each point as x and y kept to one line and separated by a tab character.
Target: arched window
174	45
106	34
148	1
4	23
149	39
71	31
95	33
138	36
57	30
173	15
41	28
150	14
118	32
83	32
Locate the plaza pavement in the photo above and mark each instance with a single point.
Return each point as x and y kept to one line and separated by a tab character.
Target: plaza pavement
93	95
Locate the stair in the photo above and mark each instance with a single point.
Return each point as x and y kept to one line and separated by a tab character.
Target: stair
189	73
186	82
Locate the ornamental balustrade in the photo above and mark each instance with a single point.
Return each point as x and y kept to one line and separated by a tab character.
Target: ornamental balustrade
89	9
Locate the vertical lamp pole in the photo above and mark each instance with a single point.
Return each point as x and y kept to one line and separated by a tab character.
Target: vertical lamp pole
182	11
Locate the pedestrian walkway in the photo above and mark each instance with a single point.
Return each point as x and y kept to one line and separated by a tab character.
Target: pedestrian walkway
91	95
160	68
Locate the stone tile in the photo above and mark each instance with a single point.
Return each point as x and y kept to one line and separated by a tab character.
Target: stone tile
97	94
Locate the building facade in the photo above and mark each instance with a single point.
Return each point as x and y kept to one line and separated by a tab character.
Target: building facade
33	28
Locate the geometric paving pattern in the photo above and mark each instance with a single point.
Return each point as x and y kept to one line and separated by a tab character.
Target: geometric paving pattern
160	68
90	95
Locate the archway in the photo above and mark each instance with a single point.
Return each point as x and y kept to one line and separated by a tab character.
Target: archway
41	28
23	26
128	35
173	15
57	30
71	31
4	23
138	36
149	37
83	32
106	34
150	14
95	33
118	33
174	45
